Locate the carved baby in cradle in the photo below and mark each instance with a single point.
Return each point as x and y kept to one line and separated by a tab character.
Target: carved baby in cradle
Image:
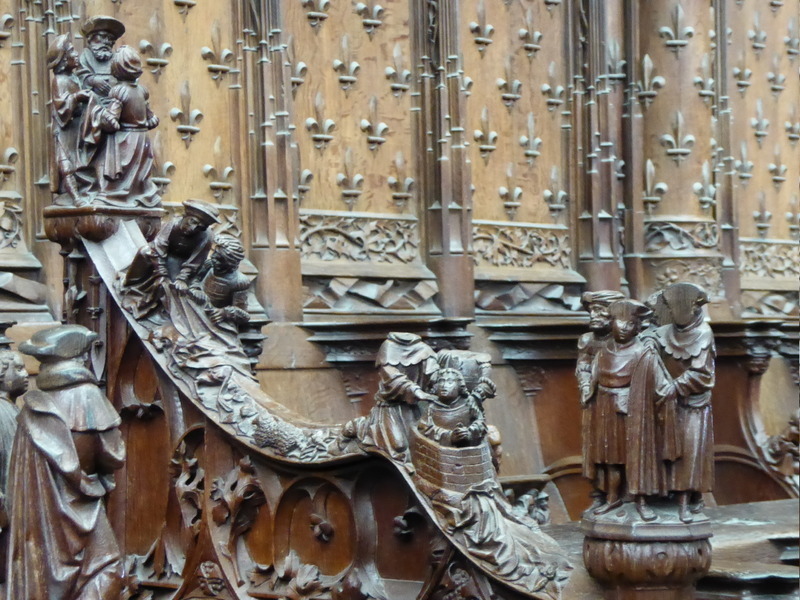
454	418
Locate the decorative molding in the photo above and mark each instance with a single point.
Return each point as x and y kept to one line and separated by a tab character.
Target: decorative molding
770	259
665	235
705	272
360	237
366	295
498	244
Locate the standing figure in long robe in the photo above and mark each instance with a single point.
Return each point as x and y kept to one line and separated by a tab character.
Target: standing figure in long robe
124	165
68	101
66	450
596	303
687	349
612	372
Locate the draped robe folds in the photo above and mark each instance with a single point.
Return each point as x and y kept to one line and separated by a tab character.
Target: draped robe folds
588	345
66	131
688	356
62	545
124	160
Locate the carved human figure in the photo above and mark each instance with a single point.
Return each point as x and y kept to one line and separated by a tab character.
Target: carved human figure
118	127
596	303
13	383
686	347
406	365
67	105
455	418
100	33
66	449
220	284
612	371
175	257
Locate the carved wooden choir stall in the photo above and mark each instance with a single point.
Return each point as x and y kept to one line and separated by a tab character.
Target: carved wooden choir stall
426	300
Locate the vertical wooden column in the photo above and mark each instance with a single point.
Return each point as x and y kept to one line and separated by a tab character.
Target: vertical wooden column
273	210
671	193
446	172
600	33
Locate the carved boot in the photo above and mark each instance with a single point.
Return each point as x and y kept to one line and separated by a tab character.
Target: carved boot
644	510
684	513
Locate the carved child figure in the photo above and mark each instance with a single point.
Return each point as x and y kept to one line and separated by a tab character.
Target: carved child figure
68	102
454	418
66	450
222	285
597	304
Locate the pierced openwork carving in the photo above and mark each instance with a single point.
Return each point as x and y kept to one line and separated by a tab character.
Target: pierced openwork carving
771	259
512	245
662	235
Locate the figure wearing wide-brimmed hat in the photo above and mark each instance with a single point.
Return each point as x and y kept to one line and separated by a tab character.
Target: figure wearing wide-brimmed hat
175	257
100	33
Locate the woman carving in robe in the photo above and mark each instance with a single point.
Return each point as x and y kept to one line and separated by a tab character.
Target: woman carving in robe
687	349
66	449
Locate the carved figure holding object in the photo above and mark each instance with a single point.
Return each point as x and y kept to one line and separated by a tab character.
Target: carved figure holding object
68	101
596	303
66	449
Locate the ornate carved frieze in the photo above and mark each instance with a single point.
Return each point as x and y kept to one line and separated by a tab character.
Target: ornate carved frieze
673	236
499	244
358	237
770	259
705	271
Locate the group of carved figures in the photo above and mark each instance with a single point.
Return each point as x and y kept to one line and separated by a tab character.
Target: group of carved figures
645	374
100	119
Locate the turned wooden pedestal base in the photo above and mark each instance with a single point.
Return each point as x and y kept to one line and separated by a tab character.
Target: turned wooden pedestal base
638	560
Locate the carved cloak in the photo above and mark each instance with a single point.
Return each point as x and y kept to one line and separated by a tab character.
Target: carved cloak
62	545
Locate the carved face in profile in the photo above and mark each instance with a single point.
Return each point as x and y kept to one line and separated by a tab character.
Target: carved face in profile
599	319
101	44
15	377
70	61
449	385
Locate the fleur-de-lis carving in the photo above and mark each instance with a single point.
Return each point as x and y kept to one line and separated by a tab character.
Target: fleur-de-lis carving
163	170
219	58
776	80
792	40
705	81
705	190
186	117
756	35
316	12
529	141
677	35
793	217
155	57
650	83
762	216
792	126
350	182
510	194
400	183
321	129
742	75
298	68
397	74
551	4
743	165
712	35
678	144
509	87
552	89
760	123
777	169
485	136
184	6
6	24
221	177
346	67
7	168
304	183
554	196
482	31
615	64
371	16
653	190
376	130
531	39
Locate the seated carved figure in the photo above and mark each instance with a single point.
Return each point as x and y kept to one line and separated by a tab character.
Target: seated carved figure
66	450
